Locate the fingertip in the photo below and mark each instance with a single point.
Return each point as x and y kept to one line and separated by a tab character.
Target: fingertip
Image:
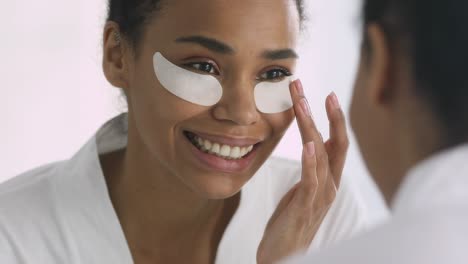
332	103
296	88
299	87
334	110
335	102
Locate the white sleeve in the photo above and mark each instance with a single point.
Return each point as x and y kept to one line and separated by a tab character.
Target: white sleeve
6	251
6	256
348	216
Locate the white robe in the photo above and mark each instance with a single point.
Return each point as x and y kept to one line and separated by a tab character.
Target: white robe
429	224
62	213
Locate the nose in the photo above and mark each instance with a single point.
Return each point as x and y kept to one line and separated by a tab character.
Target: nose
237	104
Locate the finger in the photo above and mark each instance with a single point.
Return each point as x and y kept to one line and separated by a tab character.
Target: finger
330	191
337	145
309	180
306	124
309	131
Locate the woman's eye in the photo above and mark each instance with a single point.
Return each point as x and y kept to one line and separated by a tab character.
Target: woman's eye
203	67
274	75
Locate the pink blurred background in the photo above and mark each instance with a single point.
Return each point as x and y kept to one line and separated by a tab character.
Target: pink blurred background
55	95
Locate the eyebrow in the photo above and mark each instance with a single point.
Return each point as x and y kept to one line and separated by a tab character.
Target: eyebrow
280	54
223	48
209	43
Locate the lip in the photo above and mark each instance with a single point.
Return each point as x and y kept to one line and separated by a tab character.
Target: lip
212	162
228	140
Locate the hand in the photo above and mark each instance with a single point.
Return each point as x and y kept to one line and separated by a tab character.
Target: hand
302	210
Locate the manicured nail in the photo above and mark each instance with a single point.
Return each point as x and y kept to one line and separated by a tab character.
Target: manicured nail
305	107
335	102
299	88
310	149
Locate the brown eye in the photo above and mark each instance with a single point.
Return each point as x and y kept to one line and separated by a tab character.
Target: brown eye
203	67
274	75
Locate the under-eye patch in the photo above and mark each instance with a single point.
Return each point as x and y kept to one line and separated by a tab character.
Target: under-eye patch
273	97
206	90
200	89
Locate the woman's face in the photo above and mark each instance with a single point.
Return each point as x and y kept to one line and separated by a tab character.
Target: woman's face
241	43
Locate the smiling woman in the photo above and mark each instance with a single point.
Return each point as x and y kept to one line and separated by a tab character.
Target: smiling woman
186	175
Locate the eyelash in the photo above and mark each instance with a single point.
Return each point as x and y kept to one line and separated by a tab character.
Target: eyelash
198	66
281	73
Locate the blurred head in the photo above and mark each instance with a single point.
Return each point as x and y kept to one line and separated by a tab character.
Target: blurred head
241	43
410	96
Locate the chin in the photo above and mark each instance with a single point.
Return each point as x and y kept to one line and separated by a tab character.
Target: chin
216	185
216	191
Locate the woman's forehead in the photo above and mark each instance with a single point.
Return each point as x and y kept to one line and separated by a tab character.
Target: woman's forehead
233	22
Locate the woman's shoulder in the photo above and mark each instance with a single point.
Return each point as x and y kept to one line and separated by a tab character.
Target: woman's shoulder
28	180
26	203
27	193
39	183
53	212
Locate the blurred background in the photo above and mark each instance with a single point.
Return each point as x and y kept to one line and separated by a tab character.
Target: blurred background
55	95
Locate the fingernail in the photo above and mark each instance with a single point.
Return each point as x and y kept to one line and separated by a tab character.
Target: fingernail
310	149
305	107
335	102
299	88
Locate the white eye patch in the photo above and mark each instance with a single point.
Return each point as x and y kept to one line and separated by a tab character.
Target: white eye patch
206	90
273	97
200	89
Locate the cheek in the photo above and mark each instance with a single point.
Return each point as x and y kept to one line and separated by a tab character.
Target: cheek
279	122
157	104
353	111
364	122
356	108
157	112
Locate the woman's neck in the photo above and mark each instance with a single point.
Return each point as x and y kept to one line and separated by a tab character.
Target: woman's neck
419	136
155	208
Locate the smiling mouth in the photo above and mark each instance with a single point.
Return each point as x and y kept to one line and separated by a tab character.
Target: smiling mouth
221	150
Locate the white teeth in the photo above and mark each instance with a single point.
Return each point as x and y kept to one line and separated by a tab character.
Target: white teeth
207	145
215	148
235	152
224	151
243	151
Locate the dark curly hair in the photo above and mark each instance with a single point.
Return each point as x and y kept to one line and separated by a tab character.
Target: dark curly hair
131	16
434	33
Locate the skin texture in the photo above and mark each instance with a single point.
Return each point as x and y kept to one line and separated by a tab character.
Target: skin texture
165	198
394	127
301	211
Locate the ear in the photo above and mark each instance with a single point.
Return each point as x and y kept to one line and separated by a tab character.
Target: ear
115	60
379	69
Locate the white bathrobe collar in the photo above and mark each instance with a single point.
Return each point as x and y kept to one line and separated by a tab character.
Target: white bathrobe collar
440	180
